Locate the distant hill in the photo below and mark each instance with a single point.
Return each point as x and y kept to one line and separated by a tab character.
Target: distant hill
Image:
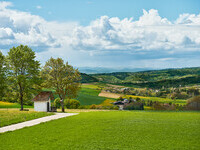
88	78
95	70
152	78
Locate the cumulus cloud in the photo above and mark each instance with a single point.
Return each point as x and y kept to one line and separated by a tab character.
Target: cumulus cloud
17	27
150	33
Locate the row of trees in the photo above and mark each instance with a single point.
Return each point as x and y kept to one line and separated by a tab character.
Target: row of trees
21	76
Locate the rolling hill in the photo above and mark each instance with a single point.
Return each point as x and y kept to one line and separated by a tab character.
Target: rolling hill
151	79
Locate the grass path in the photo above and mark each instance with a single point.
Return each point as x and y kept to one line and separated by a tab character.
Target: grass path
112	130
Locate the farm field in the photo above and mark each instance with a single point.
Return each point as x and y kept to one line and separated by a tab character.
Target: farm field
159	99
87	95
8	117
111	130
12	105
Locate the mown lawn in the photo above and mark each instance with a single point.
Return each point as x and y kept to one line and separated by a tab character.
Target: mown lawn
8	117
114	130
12	105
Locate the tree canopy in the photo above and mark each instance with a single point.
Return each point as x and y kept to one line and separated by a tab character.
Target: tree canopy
24	72
62	77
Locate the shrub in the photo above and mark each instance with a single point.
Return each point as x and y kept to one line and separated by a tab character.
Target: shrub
93	106
137	99
57	103
134	106
166	106
193	103
71	103
115	108
83	107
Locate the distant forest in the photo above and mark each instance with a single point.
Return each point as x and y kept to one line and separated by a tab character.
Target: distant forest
151	79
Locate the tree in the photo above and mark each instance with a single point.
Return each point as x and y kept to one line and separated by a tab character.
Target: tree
2	75
24	71
62	77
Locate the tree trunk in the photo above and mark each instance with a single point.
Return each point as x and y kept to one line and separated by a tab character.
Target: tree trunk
62	104
21	102
21	97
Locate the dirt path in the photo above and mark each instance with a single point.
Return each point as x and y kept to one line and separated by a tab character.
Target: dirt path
109	95
35	122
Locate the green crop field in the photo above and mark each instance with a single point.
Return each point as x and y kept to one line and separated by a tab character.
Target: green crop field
159	99
8	117
12	105
87	95
114	130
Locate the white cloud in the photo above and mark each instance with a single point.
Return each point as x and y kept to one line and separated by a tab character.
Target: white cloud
103	35
150	32
188	19
17	27
5	4
39	7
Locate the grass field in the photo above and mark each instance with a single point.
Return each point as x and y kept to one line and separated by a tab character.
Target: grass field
87	95
8	117
12	105
114	130
162	100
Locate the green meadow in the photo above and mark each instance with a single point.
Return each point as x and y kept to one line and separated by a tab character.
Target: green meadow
12	105
8	117
114	130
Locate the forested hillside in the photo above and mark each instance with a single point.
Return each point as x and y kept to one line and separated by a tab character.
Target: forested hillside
151	79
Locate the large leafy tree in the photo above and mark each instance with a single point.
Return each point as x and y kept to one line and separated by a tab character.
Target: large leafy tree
2	75
62	77
24	72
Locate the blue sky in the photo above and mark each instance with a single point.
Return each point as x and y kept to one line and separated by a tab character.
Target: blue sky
85	11
105	33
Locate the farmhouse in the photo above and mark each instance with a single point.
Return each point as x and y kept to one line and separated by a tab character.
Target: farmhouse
42	102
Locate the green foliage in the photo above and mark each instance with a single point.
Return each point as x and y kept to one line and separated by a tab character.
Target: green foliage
134	106
62	77
8	117
23	73
105	130
71	104
194	103
57	103
93	106
2	76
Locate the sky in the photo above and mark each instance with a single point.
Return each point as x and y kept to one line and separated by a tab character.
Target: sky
105	33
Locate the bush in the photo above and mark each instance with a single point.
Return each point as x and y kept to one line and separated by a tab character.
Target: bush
193	103
71	103
137	99
134	106
166	106
57	103
83	107
93	106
